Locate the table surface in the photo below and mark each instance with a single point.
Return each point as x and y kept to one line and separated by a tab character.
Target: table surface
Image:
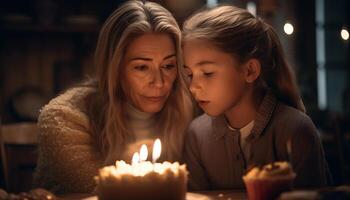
212	195
226	194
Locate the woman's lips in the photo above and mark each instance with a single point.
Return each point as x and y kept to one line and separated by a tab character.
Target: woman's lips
155	99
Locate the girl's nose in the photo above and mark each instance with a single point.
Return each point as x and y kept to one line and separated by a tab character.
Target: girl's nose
194	86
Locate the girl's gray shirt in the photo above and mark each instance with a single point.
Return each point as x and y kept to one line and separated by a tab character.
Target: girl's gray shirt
216	161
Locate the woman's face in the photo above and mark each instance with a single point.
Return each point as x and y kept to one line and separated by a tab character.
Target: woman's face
150	70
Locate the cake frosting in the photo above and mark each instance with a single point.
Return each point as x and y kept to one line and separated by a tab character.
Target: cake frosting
272	170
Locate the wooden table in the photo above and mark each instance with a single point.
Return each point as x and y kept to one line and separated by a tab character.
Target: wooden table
225	194
213	195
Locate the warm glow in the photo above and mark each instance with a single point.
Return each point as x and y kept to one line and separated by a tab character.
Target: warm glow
344	34
143	153
140	167
288	28
157	149
135	158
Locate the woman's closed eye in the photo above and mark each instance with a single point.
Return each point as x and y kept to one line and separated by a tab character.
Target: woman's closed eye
169	66
141	67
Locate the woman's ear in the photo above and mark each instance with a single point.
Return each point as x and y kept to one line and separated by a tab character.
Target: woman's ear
252	70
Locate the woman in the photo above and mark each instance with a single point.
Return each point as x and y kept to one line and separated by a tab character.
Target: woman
139	93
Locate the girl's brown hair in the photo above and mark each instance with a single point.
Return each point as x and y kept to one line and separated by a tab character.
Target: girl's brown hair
238	32
107	109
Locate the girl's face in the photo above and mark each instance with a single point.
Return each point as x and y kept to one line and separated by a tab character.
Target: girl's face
217	84
149	71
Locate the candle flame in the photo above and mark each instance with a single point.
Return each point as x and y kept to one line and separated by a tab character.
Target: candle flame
143	153
135	158
157	149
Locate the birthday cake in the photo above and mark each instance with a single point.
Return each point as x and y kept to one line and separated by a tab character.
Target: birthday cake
159	181
142	180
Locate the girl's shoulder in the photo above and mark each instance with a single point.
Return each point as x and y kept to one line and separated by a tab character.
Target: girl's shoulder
208	128
284	111
200	130
203	121
292	119
201	126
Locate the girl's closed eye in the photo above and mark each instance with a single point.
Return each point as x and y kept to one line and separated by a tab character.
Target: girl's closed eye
208	74
188	72
189	75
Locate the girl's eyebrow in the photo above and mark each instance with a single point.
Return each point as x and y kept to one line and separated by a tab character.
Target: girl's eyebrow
204	62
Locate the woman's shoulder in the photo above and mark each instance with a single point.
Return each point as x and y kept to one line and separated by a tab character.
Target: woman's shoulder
69	107
74	97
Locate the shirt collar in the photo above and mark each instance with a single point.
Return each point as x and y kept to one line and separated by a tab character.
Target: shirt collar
264	115
244	130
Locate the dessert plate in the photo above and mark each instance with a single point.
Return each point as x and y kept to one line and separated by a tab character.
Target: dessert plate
189	196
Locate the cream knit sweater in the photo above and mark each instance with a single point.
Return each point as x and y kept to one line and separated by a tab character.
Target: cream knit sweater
68	158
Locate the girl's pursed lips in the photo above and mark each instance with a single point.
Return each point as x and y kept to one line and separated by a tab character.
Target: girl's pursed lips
202	101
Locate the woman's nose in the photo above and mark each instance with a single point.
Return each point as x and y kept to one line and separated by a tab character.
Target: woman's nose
157	78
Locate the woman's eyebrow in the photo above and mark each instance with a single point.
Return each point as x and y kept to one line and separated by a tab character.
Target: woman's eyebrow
169	56
140	58
150	59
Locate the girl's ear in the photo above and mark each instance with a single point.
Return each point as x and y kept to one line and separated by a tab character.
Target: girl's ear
252	70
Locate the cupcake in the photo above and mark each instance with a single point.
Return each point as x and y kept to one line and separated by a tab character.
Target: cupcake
267	182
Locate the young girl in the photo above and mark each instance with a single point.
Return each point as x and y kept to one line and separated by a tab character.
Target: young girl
254	114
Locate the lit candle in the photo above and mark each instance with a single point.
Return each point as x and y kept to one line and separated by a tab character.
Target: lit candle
157	149
143	153
135	158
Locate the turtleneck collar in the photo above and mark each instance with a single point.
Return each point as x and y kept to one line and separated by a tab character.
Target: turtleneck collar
136	114
142	124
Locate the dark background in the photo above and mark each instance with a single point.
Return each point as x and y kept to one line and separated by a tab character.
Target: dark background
47	46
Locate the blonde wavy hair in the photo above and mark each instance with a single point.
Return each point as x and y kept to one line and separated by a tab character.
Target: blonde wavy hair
239	33
129	21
